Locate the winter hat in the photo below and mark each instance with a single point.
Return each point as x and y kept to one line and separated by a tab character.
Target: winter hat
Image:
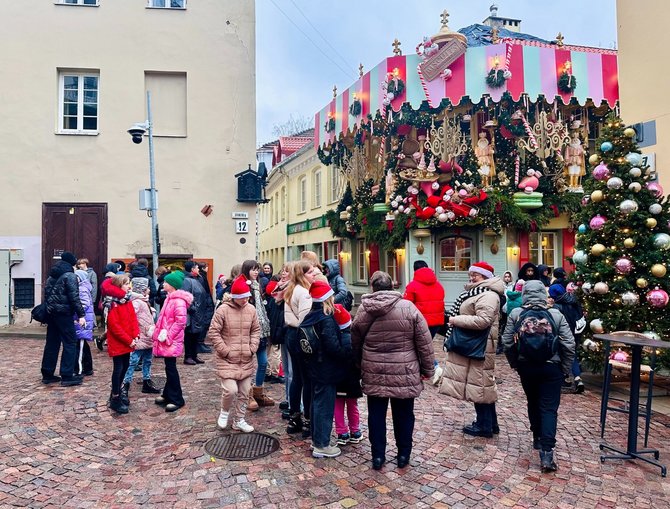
240	288
175	279
342	316
519	285
270	287
140	284
559	273
482	268
320	291
69	258
82	275
556	291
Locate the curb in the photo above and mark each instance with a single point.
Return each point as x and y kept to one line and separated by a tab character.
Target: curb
23	334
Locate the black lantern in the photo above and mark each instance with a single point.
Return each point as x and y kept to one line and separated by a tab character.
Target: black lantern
251	185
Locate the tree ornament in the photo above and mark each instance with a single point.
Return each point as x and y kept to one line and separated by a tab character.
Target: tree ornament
582	228
590	345
641	282
597	196
593	159
634	158
636	187
443	218
630	298
619	356
655	208
597	222
349	208
623	265
652	335
635	172
657	298
606	146
615	183
601	288
651	222
629	243
629	132
580	257
598	249
658	270
662	241
655	188
597	326
601	172
628	206
587	288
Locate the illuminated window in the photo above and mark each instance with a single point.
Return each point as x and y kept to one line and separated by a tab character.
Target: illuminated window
542	248
361	261
455	254
392	266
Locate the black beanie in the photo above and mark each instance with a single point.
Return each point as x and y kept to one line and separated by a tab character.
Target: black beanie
69	258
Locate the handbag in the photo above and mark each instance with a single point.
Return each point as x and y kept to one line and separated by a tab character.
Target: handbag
40	313
470	343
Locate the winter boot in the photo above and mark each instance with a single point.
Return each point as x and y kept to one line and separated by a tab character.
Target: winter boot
148	387
306	429
294	423
252	405
261	398
547	463
124	393
118	405
222	422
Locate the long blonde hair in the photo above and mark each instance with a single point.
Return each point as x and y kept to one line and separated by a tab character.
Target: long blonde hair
329	305
299	269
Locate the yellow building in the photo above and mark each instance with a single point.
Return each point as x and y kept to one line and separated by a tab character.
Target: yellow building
644	78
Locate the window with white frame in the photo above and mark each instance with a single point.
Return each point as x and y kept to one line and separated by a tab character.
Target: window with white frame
302	184
168	4
334	183
542	248
78	102
317	188
79	2
276	208
362	260
283	203
392	266
455	254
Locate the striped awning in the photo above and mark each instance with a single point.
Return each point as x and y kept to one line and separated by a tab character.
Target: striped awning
535	69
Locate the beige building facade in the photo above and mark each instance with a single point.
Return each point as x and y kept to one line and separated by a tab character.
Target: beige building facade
75	80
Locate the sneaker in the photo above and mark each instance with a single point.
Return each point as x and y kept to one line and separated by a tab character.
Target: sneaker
189	362
343	439
437	376
306	429
330	451
222	422
46	380
243	426
283	405
171	407
160	400
547	463
69	382
148	387
579	386
98	342
475	431
356	437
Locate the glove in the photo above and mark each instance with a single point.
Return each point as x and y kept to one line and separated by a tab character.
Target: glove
152	328
162	335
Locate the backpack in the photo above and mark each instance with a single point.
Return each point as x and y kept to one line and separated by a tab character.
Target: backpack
348	301
40	313
309	340
535	335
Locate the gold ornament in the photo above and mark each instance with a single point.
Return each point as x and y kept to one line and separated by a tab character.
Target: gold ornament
598	249
642	282
658	270
629	132
651	222
597	196
593	159
629	243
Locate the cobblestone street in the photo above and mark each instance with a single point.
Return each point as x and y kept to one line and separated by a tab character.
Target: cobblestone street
62	447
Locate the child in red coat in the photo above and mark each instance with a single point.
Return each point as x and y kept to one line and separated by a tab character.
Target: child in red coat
122	332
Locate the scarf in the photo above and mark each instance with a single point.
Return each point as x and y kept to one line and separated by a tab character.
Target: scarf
456	308
109	302
262	315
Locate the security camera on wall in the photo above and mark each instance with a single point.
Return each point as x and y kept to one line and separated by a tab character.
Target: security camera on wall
137	132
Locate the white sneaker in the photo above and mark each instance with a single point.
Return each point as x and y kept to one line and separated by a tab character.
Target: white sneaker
223	420
330	451
243	426
437	376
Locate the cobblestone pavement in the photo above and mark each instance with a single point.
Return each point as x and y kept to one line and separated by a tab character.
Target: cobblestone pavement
62	447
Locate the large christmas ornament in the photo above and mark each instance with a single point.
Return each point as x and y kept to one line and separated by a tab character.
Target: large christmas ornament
601	288
628	206
587	288
629	132
597	249
623	265
662	241
590	345
634	158
630	298
635	172
581	228
620	356
658	270
655	188
655	208
597	326
593	159
651	222
614	183
636	187
658	298
597	222
580	257
606	146
629	243
652	335
641	282
597	196
601	172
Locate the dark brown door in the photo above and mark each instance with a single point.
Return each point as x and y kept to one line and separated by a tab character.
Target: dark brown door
77	227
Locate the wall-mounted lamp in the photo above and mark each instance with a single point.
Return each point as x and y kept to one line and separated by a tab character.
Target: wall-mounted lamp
514	250
421	234
400	252
367	252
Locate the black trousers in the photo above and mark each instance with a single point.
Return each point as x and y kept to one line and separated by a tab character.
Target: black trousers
84	359
487	418
402	411
300	389
120	367
172	390
60	331
542	385
191	344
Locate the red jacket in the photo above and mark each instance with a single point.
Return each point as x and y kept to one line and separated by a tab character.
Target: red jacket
427	294
122	324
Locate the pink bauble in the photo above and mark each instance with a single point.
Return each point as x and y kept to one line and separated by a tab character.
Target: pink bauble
601	172
620	356
597	222
658	298
571	287
585	202
655	188
623	265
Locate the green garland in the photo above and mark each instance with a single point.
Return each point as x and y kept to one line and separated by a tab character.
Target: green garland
567	83
396	89
495	78
330	125
355	108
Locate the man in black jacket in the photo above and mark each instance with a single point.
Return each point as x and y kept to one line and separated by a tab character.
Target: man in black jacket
202	278
199	314
61	295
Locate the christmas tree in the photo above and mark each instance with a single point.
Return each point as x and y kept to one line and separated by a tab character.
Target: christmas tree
622	245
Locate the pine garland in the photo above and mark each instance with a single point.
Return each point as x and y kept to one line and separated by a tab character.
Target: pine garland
495	78
355	108
567	83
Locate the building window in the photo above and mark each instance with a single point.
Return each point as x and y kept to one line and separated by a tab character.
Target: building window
24	293
303	194
334	184
168	4
455	254
392	267
283	203
333	248
361	261
78	102
317	189
542	248
79	2
276	208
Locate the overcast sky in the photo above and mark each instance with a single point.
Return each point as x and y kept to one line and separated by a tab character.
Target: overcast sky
304	47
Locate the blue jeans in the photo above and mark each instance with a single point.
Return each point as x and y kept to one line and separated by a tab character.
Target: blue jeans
323	411
146	356
262	357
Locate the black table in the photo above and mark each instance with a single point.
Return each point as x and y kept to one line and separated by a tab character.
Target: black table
632	452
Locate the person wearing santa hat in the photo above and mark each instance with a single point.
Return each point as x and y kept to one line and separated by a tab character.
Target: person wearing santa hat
235	334
477	308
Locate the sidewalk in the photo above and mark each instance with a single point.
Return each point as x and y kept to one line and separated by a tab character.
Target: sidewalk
62	447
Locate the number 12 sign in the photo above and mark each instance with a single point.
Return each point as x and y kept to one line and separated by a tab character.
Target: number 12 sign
242	226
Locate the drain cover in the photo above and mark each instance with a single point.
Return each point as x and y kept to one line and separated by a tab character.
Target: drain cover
242	446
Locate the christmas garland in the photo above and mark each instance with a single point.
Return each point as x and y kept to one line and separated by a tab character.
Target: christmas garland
396	87
495	78
567	83
355	108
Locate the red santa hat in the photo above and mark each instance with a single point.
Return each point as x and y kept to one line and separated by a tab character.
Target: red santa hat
270	287
482	268
342	316
240	288
320	291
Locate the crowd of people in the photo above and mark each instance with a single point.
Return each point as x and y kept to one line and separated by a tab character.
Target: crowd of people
295	328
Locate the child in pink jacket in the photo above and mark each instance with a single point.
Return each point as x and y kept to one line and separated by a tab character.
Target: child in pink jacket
168	338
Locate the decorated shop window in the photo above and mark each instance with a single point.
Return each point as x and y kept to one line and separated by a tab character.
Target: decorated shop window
392	266
362	254
455	254
542	248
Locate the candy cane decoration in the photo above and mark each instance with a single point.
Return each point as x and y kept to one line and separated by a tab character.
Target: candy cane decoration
385	100
423	85
516	170
529	132
507	74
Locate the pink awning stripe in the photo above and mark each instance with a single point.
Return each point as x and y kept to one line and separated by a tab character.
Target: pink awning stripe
595	76
610	79
548	77
515	85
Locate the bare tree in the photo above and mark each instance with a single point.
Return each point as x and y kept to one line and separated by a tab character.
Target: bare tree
293	125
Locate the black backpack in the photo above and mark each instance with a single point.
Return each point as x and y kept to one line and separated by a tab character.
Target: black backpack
348	301
536	335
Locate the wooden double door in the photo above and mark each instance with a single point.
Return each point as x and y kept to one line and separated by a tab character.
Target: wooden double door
80	228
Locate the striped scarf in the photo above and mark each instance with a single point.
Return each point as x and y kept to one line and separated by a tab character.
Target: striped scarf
109	302
456	308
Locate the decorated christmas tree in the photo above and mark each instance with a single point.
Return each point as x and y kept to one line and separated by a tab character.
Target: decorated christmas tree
622	245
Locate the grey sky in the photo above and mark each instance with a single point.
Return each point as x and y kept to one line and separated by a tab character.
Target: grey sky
295	77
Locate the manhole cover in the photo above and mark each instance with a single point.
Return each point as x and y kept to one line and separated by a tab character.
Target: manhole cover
242	446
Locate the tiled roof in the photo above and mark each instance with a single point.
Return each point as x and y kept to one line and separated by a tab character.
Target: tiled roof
480	35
